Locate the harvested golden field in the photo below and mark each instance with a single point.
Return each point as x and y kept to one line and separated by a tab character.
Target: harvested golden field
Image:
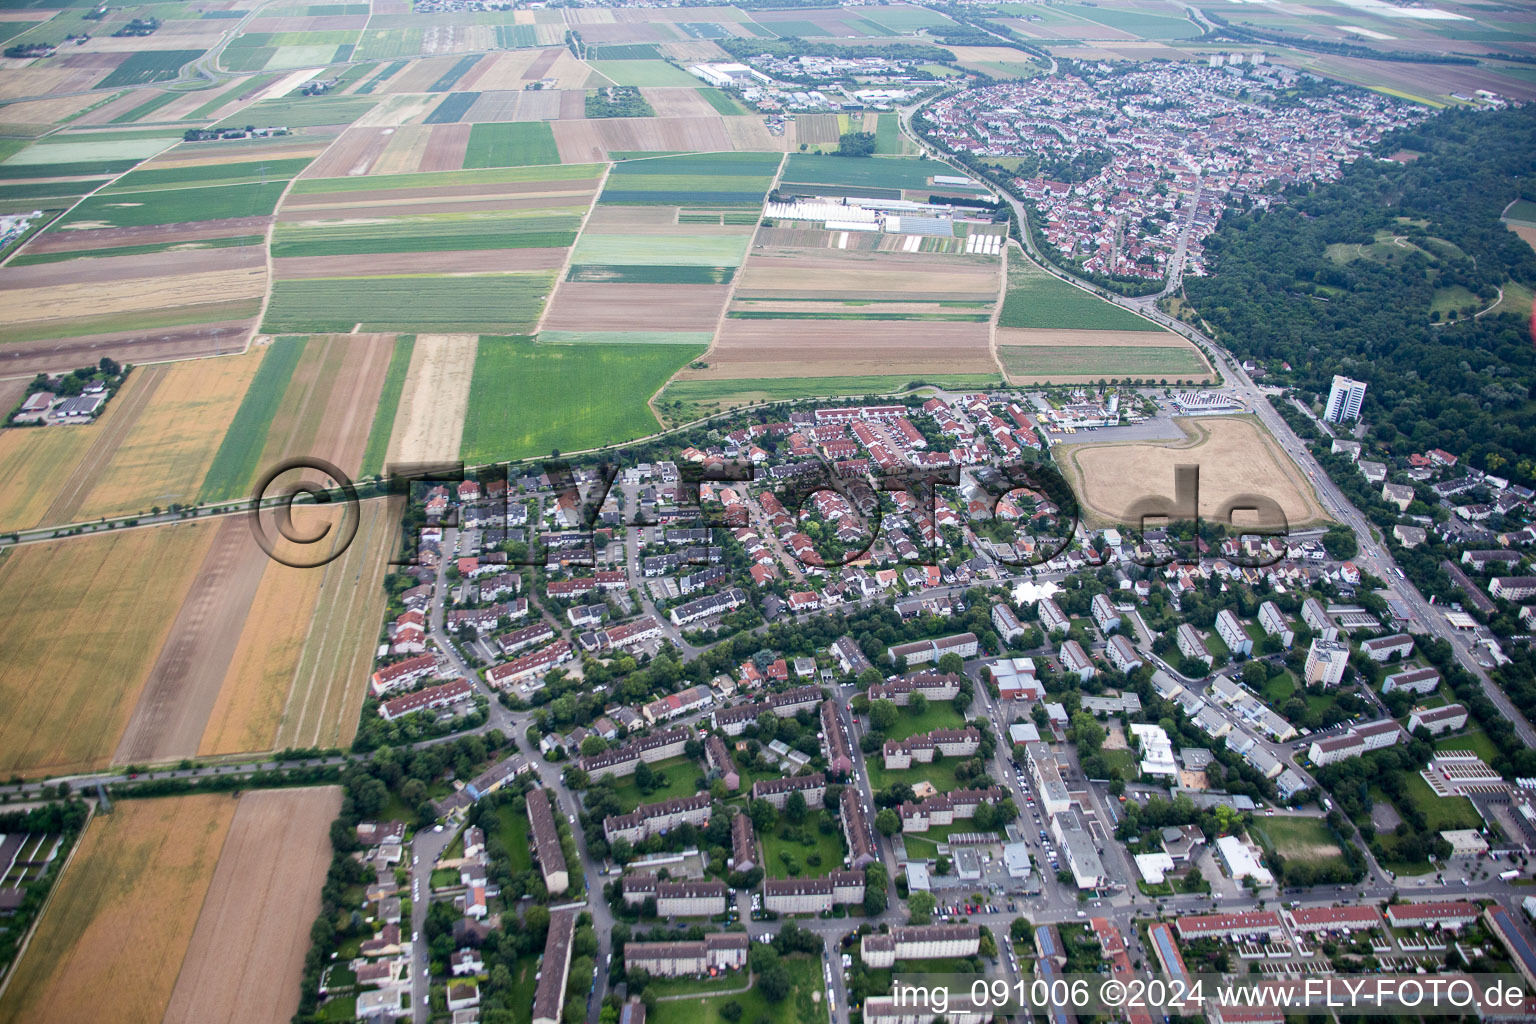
504	70
1236	456
635	307
800	274
88	615
48	111
429	423
678	102
332	677
748	133
591	140
746	349
327	408
64	302
172	711
167	451
112	941
246	955
405	148
251	697
136	394
353	153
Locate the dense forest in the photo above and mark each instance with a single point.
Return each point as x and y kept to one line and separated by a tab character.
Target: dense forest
1342	279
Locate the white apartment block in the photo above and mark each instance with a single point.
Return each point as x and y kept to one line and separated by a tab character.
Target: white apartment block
1438	720
1232	633
1344	400
1190	644
1104	614
1121	654
1326	660
1007	624
925	942
1273	622
1053	618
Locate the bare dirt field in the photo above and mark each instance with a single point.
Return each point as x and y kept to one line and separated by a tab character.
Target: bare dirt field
352	154
635	307
178	696
467	261
748	133
106	238
332	677
583	141
446	148
88	615
630	217
671	102
165	454
112	942
246	955
794	274
215	338
429	423
747	349
355	381
1235	455
109	269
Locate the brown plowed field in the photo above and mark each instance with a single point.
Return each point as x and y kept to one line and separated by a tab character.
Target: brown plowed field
136	394
503	72
210	339
86	618
107	238
793	274
582	141
636	307
541	65
631	218
247	953
446	147
459	262
110	269
573	104
172	712
802	348
352	154
347	416
112	941
670	102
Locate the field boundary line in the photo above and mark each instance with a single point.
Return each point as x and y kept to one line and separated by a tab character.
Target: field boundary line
997	310
266	299
730	295
42	911
570	251
92	462
202	906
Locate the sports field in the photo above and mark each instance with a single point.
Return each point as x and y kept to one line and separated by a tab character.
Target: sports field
589	395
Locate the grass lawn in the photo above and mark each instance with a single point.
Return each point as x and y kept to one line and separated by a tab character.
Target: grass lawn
1279	689
682	777
1441	813
590	395
926	844
941	773
512	830
1476	741
939	714
664	987
1305	840
1122	763
806	1003
781	841
444	878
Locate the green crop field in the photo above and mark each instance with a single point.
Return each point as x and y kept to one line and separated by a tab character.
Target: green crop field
389	401
442	179
452	109
452	75
209	174
904	20
597	273
624	51
1146	26
147	107
1522	209
234	464
643	73
723	102
27	259
418	304
661	250
1036	299
590	395
78	170
702	180
49	189
91	151
1179	360
148	66
386	44
867	172
307	112
438	232
239	89
511	144
141	209
850	314
252	58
